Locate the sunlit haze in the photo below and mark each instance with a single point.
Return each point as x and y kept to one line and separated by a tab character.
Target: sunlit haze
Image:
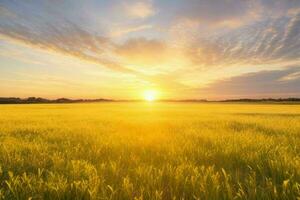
193	49
150	95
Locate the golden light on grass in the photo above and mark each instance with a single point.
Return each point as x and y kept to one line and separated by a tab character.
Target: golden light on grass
150	95
202	145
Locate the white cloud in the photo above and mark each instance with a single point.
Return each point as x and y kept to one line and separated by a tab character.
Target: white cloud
139	9
118	32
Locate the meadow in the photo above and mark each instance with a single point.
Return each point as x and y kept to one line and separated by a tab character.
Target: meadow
150	151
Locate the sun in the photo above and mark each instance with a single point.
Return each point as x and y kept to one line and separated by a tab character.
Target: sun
150	95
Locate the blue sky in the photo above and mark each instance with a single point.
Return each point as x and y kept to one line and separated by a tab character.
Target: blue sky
210	49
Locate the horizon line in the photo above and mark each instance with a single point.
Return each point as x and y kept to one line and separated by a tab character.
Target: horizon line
17	100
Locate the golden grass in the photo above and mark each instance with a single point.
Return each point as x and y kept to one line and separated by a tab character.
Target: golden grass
150	151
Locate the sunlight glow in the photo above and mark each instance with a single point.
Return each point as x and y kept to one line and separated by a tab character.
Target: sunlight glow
150	95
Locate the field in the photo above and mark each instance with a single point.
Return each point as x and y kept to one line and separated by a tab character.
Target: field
150	151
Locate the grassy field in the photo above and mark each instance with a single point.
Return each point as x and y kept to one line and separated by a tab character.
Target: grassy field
150	151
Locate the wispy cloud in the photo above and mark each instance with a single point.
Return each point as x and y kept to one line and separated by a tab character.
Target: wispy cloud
63	36
259	84
265	42
121	31
142	51
139	9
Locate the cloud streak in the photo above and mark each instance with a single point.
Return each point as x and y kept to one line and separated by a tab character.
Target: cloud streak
64	36
142	51
266	42
139	9
276	83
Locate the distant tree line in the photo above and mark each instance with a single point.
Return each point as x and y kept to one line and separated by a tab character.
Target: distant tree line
264	100
238	100
32	100
35	100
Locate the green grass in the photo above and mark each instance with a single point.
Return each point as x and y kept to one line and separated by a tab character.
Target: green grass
150	151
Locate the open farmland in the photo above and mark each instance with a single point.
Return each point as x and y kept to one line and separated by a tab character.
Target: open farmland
150	151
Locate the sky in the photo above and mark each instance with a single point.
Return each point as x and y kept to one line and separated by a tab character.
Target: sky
182	49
